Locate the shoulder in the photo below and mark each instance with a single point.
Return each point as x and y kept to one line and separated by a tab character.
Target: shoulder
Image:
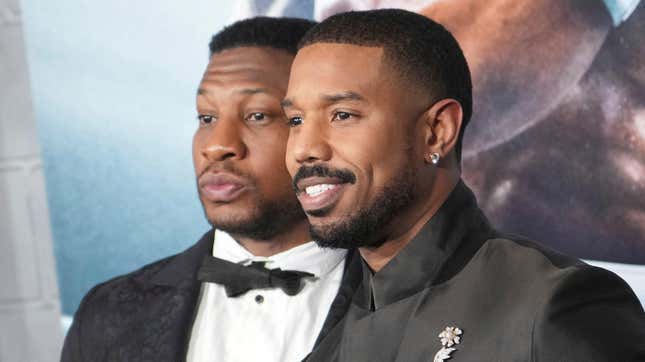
581	312
590	314
119	314
104	312
127	298
172	271
507	263
516	251
119	302
123	287
544	273
525	260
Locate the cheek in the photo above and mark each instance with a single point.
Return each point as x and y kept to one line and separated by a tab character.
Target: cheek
197	158
289	159
267	163
356	154
388	168
380	158
273	182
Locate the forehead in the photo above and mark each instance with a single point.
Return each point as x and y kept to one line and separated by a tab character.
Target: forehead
330	67
247	67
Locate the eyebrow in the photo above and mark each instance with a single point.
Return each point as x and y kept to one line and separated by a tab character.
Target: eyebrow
254	90
342	96
246	91
330	98
286	103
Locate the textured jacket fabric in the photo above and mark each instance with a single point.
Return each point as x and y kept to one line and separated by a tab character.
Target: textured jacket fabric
147	315
142	316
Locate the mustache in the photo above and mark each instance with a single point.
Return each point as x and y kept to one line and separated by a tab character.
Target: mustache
226	167
345	175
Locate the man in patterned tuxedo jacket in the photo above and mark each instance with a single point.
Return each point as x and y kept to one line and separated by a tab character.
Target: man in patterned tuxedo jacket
162	312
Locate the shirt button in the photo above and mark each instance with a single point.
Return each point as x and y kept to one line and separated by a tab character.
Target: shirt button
259	299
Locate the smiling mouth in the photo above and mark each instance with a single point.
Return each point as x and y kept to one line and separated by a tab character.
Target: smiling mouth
318	196
319	189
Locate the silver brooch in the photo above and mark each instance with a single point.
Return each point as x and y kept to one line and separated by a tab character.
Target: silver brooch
449	337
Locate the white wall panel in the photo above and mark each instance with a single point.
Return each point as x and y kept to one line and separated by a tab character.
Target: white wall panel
29	304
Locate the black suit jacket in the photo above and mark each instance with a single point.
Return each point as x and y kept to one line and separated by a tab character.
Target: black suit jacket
514	300
147	315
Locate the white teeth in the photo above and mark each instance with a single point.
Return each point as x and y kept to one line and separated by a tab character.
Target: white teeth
316	190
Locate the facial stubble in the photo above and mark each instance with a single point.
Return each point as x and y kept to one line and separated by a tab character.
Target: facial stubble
265	219
364	228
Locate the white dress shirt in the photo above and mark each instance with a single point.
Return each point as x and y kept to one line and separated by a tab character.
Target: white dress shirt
265	324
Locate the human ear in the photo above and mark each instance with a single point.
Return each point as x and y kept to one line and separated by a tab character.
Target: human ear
442	122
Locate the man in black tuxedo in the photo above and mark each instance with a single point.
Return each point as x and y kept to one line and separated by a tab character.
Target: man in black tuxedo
378	102
255	287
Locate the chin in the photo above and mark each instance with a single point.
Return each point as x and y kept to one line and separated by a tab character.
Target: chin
317	214
336	212
229	221
228	214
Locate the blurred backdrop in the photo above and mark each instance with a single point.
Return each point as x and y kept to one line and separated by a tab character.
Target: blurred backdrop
114	87
556	146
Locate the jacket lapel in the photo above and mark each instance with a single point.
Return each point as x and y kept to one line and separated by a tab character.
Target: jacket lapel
179	277
352	276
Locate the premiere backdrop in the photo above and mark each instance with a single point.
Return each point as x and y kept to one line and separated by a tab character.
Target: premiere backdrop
555	151
556	147
114	86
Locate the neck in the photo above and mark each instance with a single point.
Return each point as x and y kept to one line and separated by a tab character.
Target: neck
408	224
291	237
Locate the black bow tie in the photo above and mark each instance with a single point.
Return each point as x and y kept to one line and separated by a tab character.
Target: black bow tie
238	279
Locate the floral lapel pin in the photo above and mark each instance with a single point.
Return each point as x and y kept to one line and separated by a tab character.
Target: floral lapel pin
449	337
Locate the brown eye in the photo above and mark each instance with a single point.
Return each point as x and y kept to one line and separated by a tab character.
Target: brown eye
294	121
342	116
205	118
257	117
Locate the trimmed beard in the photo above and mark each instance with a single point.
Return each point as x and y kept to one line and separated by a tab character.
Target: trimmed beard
269	218
364	227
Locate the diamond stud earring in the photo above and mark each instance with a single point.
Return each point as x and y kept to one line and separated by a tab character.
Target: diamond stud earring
434	158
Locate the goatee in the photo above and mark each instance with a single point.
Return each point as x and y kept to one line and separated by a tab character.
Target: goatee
364	227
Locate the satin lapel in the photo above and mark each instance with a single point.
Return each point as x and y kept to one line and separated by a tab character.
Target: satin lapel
352	277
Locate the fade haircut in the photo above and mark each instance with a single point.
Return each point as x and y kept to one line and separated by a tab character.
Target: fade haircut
277	33
422	51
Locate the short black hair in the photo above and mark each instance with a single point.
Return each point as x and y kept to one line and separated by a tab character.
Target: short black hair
420	49
261	31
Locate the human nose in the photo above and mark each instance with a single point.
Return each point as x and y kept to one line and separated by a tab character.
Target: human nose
224	141
308	143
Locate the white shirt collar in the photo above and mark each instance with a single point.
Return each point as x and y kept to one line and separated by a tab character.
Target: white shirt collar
308	257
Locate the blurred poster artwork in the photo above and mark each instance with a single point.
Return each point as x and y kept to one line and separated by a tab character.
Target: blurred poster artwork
556	147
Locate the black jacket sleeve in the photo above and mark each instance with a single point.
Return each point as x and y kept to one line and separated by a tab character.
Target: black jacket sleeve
591	315
72	349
